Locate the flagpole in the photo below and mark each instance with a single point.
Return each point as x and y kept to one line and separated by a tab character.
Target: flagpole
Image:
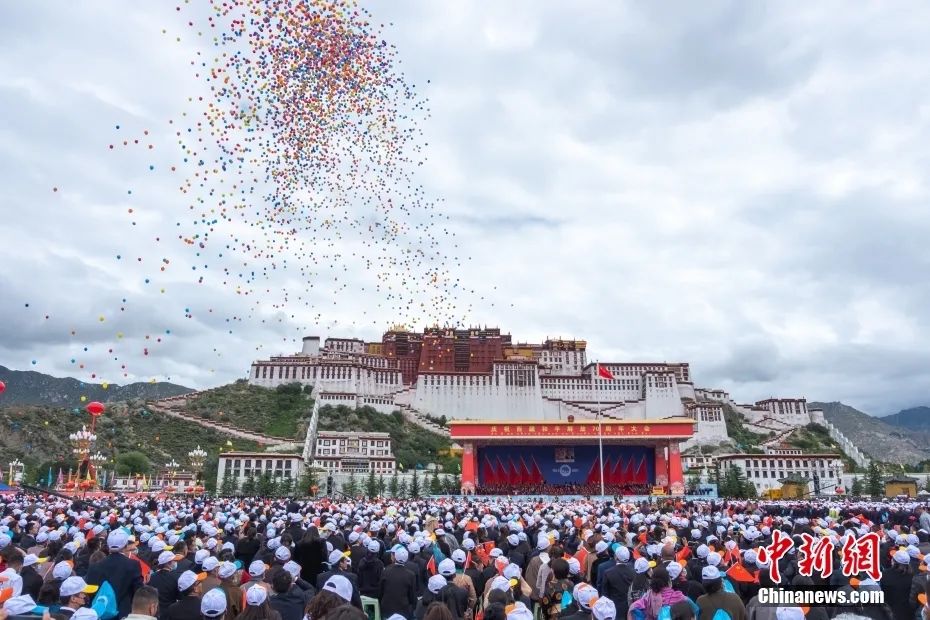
600	435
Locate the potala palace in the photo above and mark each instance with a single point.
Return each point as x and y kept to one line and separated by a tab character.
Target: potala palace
482	374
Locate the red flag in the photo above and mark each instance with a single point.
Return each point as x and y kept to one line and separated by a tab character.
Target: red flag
603	372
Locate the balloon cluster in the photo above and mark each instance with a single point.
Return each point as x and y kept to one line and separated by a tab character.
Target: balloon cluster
296	170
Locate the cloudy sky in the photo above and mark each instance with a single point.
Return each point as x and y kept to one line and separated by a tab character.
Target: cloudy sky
742	186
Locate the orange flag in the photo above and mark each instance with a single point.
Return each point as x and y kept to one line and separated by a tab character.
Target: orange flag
738	572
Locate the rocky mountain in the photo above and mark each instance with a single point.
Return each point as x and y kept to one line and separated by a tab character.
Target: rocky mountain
915	418
35	388
874	436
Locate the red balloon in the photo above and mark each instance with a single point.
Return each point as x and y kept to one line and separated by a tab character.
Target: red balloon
94	408
2	387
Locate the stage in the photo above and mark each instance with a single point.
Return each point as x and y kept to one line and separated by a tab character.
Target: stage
564	458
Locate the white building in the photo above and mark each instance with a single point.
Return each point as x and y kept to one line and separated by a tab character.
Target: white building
241	465
551	381
765	470
345	453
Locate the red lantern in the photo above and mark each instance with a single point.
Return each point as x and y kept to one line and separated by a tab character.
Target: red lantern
2	387
95	409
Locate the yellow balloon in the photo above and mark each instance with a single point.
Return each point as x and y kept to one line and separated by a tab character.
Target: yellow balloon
102	319
83	399
105	385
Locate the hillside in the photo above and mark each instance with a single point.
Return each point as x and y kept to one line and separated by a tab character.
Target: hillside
412	444
878	439
915	419
281	412
26	387
38	435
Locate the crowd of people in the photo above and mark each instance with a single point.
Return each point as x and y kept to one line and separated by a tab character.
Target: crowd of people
545	489
441	559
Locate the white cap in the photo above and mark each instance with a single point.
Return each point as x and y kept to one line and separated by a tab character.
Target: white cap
710	573
901	557
702	551
499	583
62	570
458	556
257	568
210	563
713	558
436	583
447	567
117	539
574	566
622	554
75	585
511	571
188	579
293	568
514	540
227	570
604	609
674	570
165	557
585	594
283	554
213	603
159	545
200	556
601	547
789	613
19	605
400	554
542	543
335	557
373	546
256	595
641	565
339	585
85	613
520	612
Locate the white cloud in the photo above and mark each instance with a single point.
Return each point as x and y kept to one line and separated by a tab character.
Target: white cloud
739	186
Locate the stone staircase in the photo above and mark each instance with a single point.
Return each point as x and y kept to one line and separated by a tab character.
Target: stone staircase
173	407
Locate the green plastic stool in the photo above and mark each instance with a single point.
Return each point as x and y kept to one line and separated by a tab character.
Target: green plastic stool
371	607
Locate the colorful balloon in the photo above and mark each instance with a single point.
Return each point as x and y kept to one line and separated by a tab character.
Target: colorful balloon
95	408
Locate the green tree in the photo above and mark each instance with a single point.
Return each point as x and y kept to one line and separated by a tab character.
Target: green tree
435	486
451	485
734	483
382	485
132	463
350	486
394	486
415	485
250	486
857	487
693	483
403	491
265	486
309	479
873	480
371	485
286	486
228	488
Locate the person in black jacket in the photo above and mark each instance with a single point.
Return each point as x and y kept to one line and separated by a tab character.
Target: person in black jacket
397	591
288	599
617	581
247	547
310	553
369	571
339	565
32	581
188	605
124	575
165	581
